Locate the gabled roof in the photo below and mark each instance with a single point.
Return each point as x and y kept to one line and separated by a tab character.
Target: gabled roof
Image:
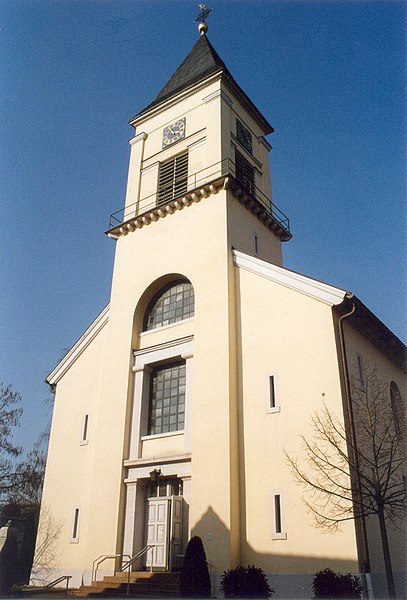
71	356
318	290
202	62
340	300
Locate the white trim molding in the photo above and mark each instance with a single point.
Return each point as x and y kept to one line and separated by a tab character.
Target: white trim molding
77	349
143	362
216	94
141	136
300	283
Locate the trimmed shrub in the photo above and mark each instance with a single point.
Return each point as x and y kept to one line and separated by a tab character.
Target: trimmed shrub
195	581
328	584
245	583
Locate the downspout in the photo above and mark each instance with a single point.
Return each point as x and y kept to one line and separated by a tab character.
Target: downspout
348	400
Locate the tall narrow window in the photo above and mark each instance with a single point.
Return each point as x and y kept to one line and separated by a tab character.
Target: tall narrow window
272	392
272	400
277	514
173	178
278	532
75	525
85	424
244	172
361	376
167	399
397	407
256	244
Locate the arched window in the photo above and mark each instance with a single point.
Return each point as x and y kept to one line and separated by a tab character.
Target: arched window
174	302
398	410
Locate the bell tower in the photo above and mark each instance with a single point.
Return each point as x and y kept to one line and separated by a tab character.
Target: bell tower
198	188
200	136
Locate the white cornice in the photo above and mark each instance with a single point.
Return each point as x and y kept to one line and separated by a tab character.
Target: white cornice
141	136
79	347
300	283
216	94
265	143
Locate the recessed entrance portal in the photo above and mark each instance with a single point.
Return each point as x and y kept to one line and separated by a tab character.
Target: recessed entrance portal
164	524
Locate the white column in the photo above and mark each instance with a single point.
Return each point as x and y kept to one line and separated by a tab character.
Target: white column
139	414
129	519
134	175
188	401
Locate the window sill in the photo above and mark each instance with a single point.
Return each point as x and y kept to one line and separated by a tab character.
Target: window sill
84	442
275	409
164	327
156	436
74	541
279	536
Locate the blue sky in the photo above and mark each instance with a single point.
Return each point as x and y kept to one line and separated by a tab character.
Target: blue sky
329	76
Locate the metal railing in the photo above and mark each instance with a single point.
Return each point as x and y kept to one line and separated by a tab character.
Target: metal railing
100	559
40	590
195	181
127	565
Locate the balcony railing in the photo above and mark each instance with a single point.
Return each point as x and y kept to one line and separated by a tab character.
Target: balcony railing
196	181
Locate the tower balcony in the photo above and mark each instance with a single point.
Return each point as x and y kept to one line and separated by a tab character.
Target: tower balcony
181	192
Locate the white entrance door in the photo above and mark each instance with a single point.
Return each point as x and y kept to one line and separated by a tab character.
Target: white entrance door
164	530
157	532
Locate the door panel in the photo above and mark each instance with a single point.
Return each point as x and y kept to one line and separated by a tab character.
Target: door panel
176	531
157	533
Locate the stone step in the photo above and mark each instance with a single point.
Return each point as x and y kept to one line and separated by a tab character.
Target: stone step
142	583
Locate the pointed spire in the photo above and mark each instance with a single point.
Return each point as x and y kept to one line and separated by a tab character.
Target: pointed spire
202	62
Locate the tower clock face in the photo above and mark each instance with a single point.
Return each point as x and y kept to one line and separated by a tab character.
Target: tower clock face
174	132
244	136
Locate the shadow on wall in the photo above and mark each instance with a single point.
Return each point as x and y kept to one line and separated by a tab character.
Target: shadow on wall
290	575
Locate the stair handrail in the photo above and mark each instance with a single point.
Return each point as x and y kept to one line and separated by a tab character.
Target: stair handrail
39	590
127	565
133	559
98	561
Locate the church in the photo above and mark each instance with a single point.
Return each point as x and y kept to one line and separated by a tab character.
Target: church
175	410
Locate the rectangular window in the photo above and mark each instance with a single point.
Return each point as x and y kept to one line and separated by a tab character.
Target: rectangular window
361	377
173	178
244	172
75	525
256	244
278	521
277	514
84	439
272	399
167	399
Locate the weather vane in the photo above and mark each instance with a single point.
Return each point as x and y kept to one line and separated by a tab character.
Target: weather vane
203	27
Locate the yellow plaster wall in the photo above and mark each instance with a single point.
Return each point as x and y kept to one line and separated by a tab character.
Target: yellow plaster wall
70	464
191	242
289	335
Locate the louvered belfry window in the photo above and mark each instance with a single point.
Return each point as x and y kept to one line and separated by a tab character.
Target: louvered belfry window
173	178
244	172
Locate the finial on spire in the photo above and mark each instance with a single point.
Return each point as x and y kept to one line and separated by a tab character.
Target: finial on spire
203	27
